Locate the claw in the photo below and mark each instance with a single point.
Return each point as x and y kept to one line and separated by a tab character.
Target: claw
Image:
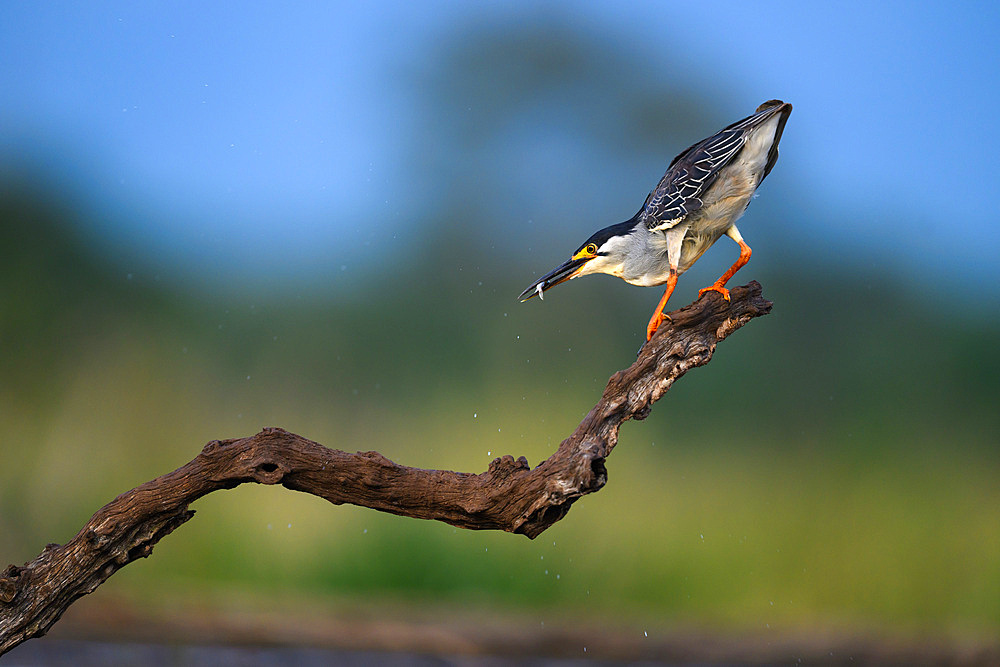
654	324
715	288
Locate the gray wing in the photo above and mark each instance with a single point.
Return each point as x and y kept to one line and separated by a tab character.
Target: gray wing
693	172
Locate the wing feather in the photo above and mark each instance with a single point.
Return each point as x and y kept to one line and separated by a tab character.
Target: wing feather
693	172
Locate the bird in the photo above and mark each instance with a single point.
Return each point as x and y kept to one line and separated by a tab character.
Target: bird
703	193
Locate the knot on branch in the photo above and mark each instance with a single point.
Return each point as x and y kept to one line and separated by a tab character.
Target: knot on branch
505	466
268	472
139	551
9	583
587	474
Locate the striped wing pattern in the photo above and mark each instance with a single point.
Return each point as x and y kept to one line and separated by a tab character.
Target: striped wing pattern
692	172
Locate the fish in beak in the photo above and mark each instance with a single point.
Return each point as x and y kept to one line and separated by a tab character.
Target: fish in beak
561	273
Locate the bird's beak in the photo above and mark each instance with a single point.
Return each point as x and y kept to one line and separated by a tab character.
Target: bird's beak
561	273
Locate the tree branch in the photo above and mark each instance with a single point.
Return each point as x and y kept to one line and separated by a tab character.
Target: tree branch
509	496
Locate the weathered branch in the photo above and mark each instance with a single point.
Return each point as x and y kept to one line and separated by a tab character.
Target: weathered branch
509	496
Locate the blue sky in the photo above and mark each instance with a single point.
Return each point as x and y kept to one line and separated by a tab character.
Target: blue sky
202	130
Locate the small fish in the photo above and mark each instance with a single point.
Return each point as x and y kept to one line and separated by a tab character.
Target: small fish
538	288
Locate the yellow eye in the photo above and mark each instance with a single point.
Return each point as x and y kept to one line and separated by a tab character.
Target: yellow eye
591	249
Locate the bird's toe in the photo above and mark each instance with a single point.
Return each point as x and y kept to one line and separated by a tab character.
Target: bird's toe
715	288
655	323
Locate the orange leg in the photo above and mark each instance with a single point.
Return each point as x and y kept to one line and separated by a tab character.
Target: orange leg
658	316
720	284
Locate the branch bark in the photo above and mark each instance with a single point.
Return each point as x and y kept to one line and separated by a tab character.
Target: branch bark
509	496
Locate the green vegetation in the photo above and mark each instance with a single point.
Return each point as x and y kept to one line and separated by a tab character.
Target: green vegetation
835	465
836	462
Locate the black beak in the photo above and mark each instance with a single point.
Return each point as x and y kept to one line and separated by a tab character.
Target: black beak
561	273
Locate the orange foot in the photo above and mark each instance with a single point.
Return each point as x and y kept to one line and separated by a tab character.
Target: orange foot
655	323
715	288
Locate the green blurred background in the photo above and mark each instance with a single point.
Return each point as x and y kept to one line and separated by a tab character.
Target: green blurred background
835	466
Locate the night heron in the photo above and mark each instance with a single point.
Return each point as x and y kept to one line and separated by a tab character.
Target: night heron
705	190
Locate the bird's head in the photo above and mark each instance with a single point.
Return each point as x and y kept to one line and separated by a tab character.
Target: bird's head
604	252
